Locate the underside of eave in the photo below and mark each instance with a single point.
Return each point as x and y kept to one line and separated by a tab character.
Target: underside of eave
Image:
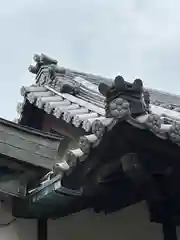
123	139
92	175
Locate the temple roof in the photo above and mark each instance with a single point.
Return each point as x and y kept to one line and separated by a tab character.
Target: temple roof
75	97
123	119
48	94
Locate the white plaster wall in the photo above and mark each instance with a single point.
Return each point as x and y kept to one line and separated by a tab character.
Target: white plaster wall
128	224
20	229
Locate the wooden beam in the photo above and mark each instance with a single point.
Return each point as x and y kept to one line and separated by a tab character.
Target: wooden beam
28	145
42	225
169	231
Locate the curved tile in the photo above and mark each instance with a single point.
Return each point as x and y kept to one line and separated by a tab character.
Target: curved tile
41	101
69	114
24	90
50	106
80	118
59	110
32	96
81	102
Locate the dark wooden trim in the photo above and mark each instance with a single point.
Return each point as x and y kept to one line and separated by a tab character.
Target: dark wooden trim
169	231
28	145
32	116
30	130
62	127
42	229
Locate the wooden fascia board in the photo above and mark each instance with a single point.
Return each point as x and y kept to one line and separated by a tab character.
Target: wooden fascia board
28	145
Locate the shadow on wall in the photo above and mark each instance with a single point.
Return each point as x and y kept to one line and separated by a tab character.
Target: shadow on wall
130	223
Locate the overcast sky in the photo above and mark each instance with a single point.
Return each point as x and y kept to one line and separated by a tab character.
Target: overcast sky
134	38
